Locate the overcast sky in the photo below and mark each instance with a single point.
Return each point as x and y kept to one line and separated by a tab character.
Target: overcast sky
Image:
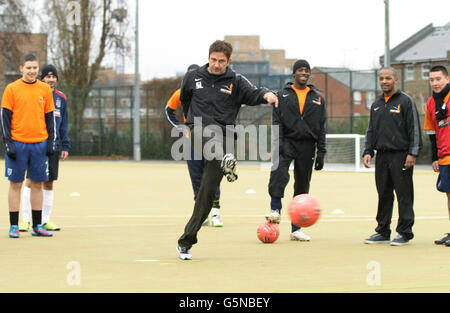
174	34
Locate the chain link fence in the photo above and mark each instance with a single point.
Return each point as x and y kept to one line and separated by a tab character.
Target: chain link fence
107	127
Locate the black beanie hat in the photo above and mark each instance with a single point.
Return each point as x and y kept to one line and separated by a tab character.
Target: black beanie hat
192	67
299	64
49	70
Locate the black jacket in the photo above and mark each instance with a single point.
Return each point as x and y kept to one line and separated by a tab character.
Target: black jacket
394	126
217	98
310	125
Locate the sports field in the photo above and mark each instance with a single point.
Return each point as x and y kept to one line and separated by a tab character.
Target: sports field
121	221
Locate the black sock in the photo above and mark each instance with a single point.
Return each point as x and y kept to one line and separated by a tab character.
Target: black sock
37	217
14	218
216	204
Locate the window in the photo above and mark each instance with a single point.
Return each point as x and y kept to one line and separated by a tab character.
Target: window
423	103
356	97
425	71
370	98
236	45
11	68
410	72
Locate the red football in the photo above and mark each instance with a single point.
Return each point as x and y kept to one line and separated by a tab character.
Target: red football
304	210
268	232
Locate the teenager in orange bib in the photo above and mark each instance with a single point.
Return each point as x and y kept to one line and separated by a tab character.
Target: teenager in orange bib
437	125
28	126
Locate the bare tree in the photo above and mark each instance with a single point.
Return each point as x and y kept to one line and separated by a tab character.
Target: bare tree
13	20
81	33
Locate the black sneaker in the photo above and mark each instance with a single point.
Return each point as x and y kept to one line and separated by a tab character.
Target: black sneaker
443	241
377	238
399	240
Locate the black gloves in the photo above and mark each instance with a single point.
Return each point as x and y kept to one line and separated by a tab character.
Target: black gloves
319	161
10	150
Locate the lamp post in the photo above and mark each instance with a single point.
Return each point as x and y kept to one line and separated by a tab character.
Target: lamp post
137	95
387	53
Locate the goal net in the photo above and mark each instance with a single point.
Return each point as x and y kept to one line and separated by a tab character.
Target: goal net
344	152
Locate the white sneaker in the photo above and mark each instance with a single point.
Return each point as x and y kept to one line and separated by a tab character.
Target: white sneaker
184	253
273	217
228	166
298	235
216	221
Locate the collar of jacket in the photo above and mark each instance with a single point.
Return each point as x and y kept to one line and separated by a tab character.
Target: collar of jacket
204	70
312	87
398	92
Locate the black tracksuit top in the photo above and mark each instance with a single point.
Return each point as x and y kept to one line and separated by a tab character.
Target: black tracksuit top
394	126
217	98
310	125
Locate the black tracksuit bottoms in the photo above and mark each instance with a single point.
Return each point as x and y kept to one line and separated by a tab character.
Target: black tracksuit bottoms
390	175
196	168
210	181
302	153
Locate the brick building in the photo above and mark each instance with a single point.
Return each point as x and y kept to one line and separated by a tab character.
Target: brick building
416	55
15	41
249	58
348	93
24	42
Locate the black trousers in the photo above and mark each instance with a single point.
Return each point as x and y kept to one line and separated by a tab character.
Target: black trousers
210	181
302	153
390	176
196	168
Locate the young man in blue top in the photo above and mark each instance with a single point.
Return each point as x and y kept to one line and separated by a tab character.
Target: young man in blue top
50	76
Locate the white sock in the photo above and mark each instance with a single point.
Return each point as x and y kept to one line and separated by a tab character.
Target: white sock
26	204
47	205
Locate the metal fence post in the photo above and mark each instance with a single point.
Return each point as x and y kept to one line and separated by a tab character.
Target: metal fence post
115	120
351	101
100	124
326	96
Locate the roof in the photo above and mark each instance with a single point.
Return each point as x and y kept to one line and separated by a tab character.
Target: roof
428	44
361	81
